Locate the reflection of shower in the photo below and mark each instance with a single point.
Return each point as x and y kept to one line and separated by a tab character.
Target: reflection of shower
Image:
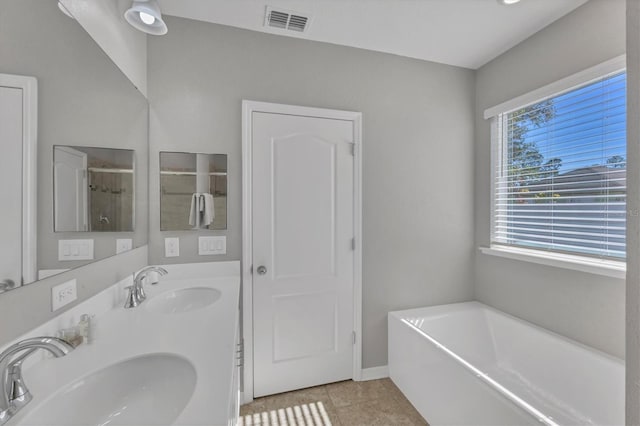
103	219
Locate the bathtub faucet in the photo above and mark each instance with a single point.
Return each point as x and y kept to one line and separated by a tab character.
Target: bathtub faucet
136	291
13	392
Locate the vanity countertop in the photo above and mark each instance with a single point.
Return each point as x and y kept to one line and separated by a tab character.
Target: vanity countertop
206	337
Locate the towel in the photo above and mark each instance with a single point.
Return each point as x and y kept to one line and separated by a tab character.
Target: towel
208	213
194	212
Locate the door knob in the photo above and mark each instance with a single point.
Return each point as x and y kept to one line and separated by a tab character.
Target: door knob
262	270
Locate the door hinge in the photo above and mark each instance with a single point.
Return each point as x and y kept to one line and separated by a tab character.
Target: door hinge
353	337
240	353
353	148
251	269
353	243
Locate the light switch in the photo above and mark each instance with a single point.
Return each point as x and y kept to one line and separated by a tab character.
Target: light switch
123	244
212	245
172	247
75	250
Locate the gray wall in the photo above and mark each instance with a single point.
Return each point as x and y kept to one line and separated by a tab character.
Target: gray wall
585	307
103	20
418	150
632	406
29	306
83	100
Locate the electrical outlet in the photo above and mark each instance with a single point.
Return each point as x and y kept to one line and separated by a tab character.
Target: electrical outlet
212	245
123	244
172	247
63	294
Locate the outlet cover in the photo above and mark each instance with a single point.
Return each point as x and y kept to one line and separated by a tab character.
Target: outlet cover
123	244
212	245
63	294
172	247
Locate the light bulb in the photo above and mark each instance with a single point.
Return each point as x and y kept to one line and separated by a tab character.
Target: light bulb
147	19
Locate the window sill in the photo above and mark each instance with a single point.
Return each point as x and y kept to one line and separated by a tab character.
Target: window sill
609	268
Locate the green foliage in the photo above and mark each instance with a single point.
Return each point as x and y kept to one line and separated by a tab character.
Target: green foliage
525	160
617	162
550	168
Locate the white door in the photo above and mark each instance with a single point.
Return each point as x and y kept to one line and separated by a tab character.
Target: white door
303	259
11	188
70	190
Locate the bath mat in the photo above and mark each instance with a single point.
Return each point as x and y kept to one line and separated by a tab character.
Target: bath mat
313	414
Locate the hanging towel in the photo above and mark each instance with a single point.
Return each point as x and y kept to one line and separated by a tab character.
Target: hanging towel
208	212
194	212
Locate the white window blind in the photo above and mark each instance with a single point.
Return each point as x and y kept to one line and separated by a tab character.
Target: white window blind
560	176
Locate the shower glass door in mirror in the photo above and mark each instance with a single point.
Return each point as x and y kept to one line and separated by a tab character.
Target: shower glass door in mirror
93	189
193	191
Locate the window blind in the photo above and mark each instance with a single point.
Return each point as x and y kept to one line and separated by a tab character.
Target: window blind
560	176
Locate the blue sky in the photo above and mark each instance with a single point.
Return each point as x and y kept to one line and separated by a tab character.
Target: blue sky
588	127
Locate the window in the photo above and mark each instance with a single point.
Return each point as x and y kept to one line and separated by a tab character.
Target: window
560	172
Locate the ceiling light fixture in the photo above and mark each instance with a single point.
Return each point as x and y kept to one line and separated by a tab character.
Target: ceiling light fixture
145	16
508	2
64	10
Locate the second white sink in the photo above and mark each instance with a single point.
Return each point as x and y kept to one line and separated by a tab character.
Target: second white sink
146	390
185	300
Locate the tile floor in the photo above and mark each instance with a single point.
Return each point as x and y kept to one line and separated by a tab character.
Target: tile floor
370	403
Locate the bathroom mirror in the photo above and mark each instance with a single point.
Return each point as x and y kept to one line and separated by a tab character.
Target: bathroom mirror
93	189
193	191
85	103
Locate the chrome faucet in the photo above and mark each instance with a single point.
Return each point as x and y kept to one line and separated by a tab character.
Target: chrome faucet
6	285
14	393
136	292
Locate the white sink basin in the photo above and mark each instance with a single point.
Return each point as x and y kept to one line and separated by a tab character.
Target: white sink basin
185	300
147	390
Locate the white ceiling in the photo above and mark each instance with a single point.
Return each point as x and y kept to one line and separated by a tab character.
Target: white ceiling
466	33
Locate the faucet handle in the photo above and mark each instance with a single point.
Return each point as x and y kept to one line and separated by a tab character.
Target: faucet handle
135	297
15	388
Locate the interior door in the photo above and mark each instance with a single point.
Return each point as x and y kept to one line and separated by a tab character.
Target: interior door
10	193
303	258
71	203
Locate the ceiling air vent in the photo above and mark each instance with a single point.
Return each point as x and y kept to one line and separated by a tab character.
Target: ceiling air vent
297	23
286	20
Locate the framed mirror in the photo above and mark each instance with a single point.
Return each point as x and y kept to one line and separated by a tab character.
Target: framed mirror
74	97
193	191
93	189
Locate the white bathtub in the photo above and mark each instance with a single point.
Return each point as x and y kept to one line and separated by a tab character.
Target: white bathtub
469	364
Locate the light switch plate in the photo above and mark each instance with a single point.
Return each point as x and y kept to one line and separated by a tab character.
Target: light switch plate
172	247
123	244
212	245
63	294
75	250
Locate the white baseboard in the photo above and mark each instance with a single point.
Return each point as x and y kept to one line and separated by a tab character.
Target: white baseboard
245	401
375	373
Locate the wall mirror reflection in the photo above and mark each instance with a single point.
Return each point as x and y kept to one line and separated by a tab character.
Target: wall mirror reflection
58	87
193	191
93	189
